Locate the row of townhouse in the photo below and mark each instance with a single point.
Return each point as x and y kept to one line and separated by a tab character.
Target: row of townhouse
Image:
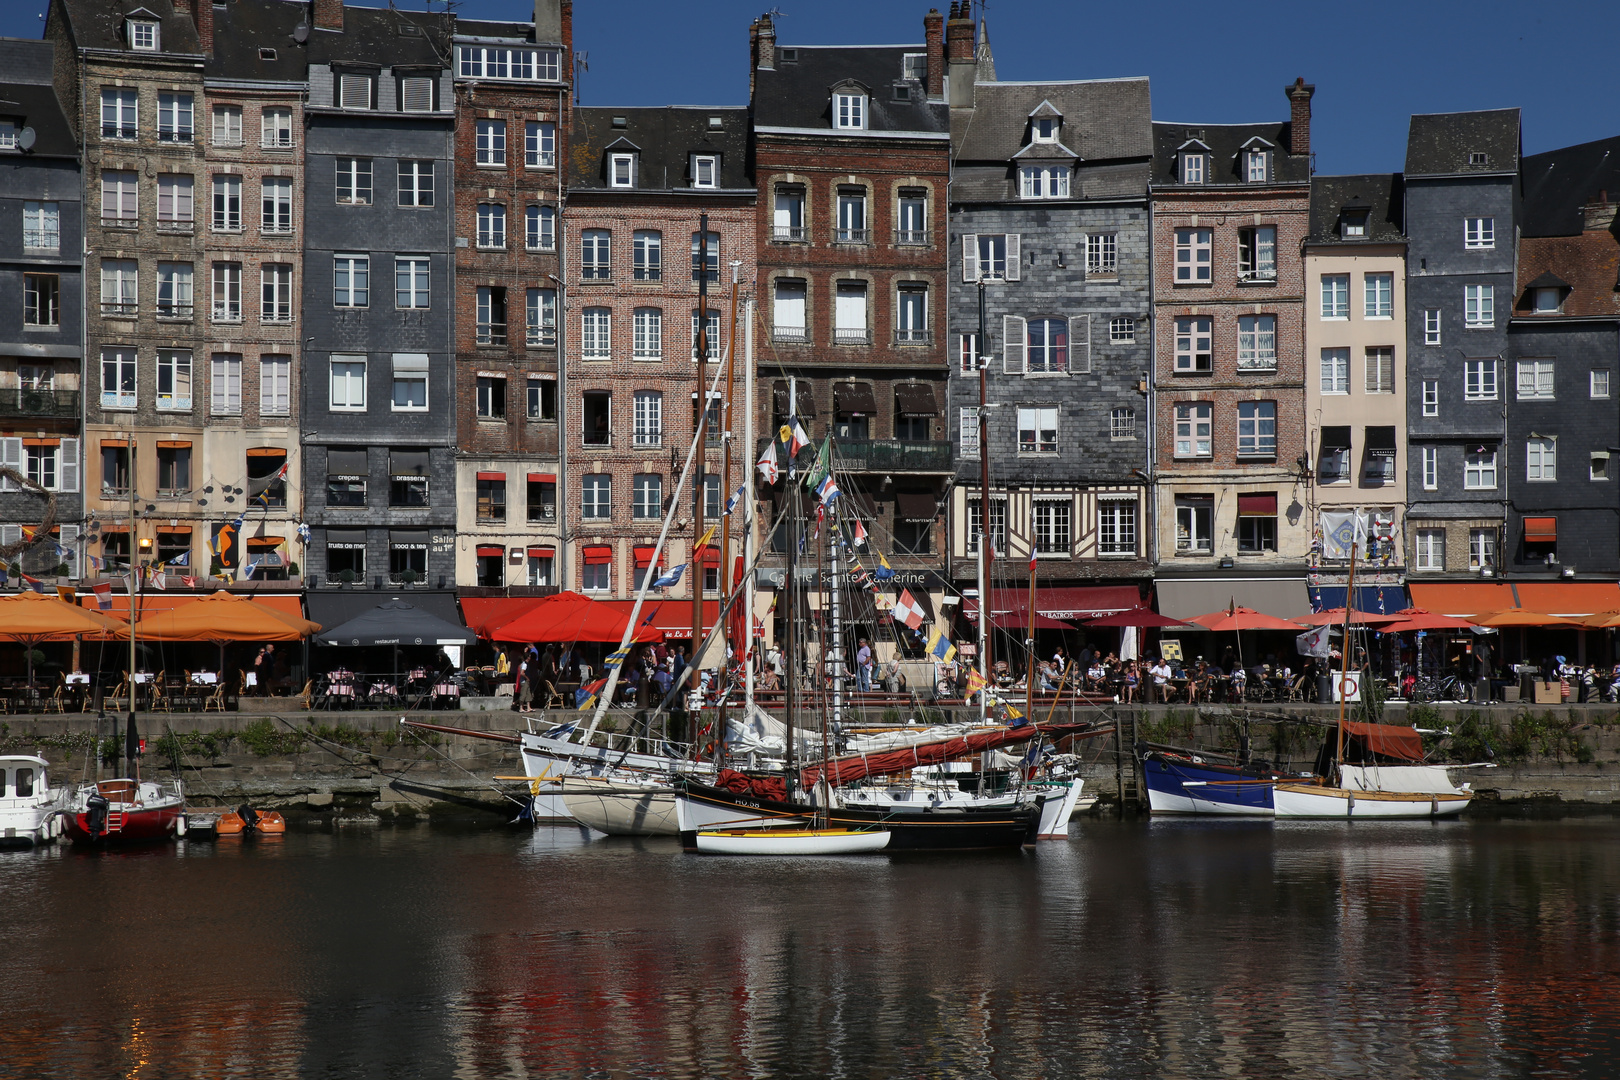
374	279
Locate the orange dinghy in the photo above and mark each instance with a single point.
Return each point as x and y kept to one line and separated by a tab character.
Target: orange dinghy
247	819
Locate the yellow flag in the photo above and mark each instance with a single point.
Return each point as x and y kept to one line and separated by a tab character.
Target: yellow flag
704	542
975	681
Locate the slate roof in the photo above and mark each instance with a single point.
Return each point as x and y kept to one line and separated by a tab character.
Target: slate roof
798	93
1588	265
1558	183
1224	142
28	96
1103	120
1382	193
1439	144
99	24
372	36
665	137
243	27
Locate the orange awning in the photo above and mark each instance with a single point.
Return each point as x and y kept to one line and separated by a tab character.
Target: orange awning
483	614
1460	600
224	616
1574	598
154	602
1540	530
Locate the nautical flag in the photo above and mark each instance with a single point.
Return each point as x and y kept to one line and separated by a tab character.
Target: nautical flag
67	593
823	466
671	578
794	435
707	536
103	593
616	659
767	466
827	490
731	503
1342	531
1013	714
188	582
860	533
95	563
907	610
940	647
1037	750
1031	560
884	571
881	601
182	559
129	584
1314	642
303	533
585	696
158	580
975	682
33	583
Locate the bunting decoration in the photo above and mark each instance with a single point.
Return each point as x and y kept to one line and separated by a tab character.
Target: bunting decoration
975	682
827	490
822	469
616	659
188	581
940	647
731	503
585	696
32	583
884	571
794	435
860	534
881	601
103	593
67	594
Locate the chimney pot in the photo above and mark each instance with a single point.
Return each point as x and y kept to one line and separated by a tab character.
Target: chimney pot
1299	120
934	35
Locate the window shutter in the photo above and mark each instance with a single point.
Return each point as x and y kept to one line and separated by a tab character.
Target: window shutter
1080	344
354	91
67	471
1012	344
1014	259
970	257
11	457
417	94
10	534
69	542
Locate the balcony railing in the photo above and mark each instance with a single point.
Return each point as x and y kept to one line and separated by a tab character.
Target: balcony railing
492	333
171	225
913	337
542	335
115	307
42	239
791	334
789	234
852	335
852	236
911	237
41	403
890	455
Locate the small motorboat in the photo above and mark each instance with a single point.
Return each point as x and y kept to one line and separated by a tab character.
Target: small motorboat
31	812
126	811
245	819
792	841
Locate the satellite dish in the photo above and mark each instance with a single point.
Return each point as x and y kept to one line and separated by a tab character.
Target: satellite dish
301	33
25	138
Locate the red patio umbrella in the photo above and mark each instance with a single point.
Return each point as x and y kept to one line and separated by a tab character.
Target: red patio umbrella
568	617
1335	617
1242	618
1416	618
1136	616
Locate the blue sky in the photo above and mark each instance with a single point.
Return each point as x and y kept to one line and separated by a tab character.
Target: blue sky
1209	62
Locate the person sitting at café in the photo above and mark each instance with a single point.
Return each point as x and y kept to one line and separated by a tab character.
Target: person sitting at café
1132	682
1096	674
1240	682
1161	679
1198	681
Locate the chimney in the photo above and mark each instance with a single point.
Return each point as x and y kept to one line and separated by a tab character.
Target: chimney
1299	119
959	57
761	49
567	8
1598	215
203	16
328	14
548	20
934	34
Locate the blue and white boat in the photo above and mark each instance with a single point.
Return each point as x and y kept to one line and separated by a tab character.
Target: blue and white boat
1184	782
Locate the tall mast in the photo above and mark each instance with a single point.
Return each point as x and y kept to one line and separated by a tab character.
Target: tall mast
790	666
134	603
1029	666
984	509
1344	667
748	511
833	537
725	582
701	488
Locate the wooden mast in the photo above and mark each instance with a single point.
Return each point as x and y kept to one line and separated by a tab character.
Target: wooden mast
701	488
1029	677
1344	666
725	577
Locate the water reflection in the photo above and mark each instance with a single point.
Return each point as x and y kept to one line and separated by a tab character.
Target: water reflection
1469	948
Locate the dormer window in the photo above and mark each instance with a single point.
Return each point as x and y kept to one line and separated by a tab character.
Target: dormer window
1353	220
705	170
914	65
1547	301
1045	129
622	170
143	35
1192	167
1256	166
849	110
1044	182
1479	157
354	91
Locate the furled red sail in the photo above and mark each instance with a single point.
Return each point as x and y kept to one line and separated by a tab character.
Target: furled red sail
853	767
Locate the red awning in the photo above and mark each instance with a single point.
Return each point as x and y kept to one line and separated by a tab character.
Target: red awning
490	549
1463	598
644	557
542	478
1388	739
709	555
484	614
673	617
1262	505
492	476
1071	603
597	555
543	552
1540	530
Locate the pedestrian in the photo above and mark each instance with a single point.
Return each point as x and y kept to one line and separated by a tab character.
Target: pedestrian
863	667
524	691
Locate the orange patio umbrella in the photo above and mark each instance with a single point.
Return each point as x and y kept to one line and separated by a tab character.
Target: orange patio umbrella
1520	617
1416	618
1602	620
1243	618
224	617
1335	617
30	618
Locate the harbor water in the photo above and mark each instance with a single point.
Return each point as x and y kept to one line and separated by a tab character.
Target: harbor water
1471	948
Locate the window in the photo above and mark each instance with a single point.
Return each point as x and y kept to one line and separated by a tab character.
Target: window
542	317
174	380
595	260
1044	130
227	203
411	280
542	394
531	65
143	35
705	171
42	303
351	280
1255	169
1353	224
647	255
175	117
348	383
622	170
596	577
264	463
912	326
1431	397
276	129
174	290
1193	255
1479	469
1195	524
648	337
968	429
788	311
118	112
1122	423
1047	348
649	418
1334	466
354	181
1193	429
1599	465
1051	522
1479	380
275	385
1116	527
706	256
1481	549
407	558
595	338
711	504
227	125
1102	254
596	497
647	502
542	497
913	217
787	215
416	93
42	223
225	384
1378	301
1431	326
118	287
1257	253
1479	306
1479	232
541	566
1192	168
1335	296
115	482
1335	371
1257	342
1546	301
1535	380
408	477
410	382
490	142
119	195
1194	336
1599	383
491	225
849	111
1044	182
275	210
354	91
1431	468
998	525
712	329
1122	330
539	144
491	397
1037	430
851	216
540	228
1257	429
1541	459
1379	377
849	313
174	470
416	183
1256	530
490	303
1431	549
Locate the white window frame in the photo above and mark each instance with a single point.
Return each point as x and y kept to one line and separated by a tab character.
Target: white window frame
415	188
1479	379
1122	423
1479	307
1479	233
1195	429
1431	468
1256	168
596	333
1479	470
1378	296
1481	548
1541	459
226	196
177	117
1257	343
1044	181
489	142
276	129
1194	167
1334	369
849	111
1431	326
1051	527
413	282
1429	547
648	418
491	226
121	195
227	125
1190	539
1257	253
275	384
174	290
1116	536
596	255
144	35
622	170
1535	380
1122	330
355	268
539	144
120	287
705	170
226	292
225	384
1102	254
355	92
540	317
647	337
596	497
120	112
1252	440
276	206
540	227
647	497
790	300
119	389
1195	256
42	223
353	183
1431	397
175	372
1034	420
968	429
1598	380
407	378
347	383
1335	298
1195	344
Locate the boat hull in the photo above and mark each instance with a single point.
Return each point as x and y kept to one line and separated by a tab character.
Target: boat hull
141	826
1179	786
619	809
792	842
1309	801
137	812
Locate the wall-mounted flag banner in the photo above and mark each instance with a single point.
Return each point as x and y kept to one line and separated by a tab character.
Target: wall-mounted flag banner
103	593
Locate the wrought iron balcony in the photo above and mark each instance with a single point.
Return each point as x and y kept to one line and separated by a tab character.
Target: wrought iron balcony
60	404
890	455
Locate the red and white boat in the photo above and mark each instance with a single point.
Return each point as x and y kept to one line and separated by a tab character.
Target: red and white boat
126	811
